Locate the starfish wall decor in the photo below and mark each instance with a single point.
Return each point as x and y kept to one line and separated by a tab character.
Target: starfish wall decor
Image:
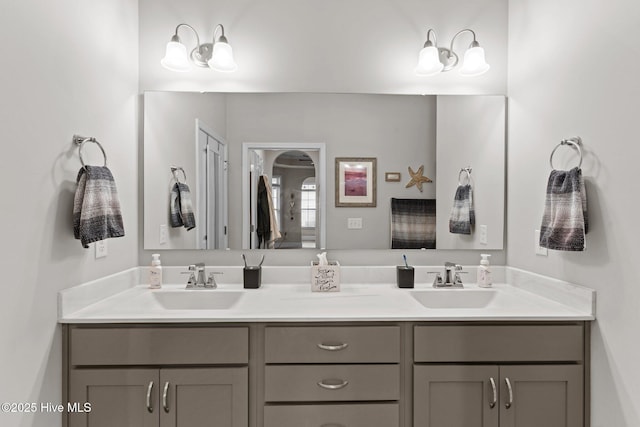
417	178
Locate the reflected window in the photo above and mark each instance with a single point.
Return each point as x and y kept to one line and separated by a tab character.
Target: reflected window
308	203
276	183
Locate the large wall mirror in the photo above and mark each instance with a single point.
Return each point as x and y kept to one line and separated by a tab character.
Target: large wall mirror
266	170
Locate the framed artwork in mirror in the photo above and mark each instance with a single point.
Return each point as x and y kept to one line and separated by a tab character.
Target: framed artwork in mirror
356	182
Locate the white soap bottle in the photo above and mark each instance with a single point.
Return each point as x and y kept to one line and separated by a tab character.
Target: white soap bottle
155	272
484	272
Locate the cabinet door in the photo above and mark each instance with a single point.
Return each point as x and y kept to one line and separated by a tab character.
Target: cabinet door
548	395
118	397
455	396
204	397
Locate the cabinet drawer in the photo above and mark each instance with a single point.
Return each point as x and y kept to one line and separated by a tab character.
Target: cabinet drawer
333	344
159	345
365	415
285	383
498	343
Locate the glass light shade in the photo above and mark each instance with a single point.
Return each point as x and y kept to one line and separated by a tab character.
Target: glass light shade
222	58
175	58
474	63
429	62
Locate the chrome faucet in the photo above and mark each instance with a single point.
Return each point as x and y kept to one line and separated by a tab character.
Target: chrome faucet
451	277
197	279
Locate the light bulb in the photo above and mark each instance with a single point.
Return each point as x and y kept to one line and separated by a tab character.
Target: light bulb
175	58
222	58
474	62
429	62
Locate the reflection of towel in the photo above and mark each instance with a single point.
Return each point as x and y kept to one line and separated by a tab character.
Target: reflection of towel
413	223
267	229
462	216
96	209
565	223
181	208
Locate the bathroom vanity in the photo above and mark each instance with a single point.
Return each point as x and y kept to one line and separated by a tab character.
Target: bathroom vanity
371	355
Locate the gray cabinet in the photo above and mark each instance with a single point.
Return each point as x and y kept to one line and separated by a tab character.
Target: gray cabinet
492	396
499	375
159	376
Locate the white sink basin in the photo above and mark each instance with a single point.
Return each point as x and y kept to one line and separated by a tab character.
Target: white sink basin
209	299
455	298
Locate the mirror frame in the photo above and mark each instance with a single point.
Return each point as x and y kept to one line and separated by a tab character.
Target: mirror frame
321	217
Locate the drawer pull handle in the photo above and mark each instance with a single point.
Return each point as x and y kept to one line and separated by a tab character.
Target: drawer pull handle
492	404
165	392
332	425
333	384
510	389
333	347
149	390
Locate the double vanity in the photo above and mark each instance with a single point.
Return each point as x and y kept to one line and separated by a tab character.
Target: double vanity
370	355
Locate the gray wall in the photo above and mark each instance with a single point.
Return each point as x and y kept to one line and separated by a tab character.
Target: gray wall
356	46
68	67
582	93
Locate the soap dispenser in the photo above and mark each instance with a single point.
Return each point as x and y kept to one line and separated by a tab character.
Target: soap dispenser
155	272
484	272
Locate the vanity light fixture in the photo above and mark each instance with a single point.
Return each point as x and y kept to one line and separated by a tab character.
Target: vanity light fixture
433	59
217	55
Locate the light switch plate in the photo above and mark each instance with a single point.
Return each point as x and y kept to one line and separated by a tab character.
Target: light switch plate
164	234
354	223
539	249
102	250
484	234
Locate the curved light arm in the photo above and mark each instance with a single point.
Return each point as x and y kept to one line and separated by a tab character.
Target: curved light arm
435	38
474	43
177	39
222	38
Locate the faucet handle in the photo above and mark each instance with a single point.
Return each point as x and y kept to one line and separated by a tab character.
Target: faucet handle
192	276
211	281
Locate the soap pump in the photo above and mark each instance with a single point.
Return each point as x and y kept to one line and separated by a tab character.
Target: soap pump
484	272
155	272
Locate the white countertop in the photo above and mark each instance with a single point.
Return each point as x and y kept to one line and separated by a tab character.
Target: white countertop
134	303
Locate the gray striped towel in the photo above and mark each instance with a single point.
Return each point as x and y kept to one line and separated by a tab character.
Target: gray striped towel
181	208
463	216
96	209
565	222
413	223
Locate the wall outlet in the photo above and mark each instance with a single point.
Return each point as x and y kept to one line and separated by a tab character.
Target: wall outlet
164	234
354	223
539	249
102	250
484	237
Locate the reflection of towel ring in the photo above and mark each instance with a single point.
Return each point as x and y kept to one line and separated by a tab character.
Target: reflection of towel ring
574	142
468	171
81	141
174	169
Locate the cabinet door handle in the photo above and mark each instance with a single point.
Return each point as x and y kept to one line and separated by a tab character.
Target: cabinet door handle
333	384
510	389
493	402
149	391
333	347
165	392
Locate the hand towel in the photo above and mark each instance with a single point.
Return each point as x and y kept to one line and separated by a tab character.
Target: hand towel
413	223
565	222
181	207
463	216
96	209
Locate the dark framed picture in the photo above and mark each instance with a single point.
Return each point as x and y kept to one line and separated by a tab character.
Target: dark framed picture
356	182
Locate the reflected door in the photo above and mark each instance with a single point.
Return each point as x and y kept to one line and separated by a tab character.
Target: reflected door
212	189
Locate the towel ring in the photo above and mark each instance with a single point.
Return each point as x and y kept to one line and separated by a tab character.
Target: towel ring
574	142
174	169
81	141
468	171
